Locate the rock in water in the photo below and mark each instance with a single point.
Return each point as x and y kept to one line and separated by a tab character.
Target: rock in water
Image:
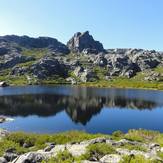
84	43
3	84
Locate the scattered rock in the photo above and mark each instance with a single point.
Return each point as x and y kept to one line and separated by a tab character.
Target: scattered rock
31	157
77	149
100	60
71	80
78	70
112	158
3	160
88	76
19	70
86	161
3	133
10	156
49	148
94	141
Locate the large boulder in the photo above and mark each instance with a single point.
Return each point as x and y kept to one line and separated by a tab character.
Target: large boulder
47	67
100	60
84	43
85	75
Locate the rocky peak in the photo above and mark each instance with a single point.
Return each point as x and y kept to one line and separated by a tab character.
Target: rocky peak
84	43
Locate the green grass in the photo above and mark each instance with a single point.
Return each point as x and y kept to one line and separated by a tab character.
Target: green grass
98	151
160	154
134	147
120	82
54	80
159	69
144	136
101	72
117	135
62	157
39	141
137	159
26	64
7	144
36	53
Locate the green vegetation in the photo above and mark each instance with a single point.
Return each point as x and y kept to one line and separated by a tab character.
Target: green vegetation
160	154
38	141
101	72
117	135
62	157
120	82
137	159
36	53
144	135
53	80
25	142
134	147
97	150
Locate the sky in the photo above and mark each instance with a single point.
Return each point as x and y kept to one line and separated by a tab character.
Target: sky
115	23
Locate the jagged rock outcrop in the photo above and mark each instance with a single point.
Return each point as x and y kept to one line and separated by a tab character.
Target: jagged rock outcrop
84	43
85	75
48	66
127	62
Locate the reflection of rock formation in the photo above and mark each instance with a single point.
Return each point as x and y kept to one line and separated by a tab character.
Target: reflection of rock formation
80	108
120	102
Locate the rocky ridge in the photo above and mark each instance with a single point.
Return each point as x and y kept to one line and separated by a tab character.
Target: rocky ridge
44	57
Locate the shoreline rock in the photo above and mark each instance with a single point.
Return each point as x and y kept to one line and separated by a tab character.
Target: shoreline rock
5	119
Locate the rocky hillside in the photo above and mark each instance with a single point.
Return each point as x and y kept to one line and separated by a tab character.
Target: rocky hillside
44	60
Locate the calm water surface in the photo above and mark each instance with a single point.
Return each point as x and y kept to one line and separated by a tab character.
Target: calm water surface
45	109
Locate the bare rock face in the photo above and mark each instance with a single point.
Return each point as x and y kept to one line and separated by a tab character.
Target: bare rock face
47	67
84	43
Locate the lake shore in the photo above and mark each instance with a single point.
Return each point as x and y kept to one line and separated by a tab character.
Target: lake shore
78	146
102	84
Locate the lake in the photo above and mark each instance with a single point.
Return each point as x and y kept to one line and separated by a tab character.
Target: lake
51	109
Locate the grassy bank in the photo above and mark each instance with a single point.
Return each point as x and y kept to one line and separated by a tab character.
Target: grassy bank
25	142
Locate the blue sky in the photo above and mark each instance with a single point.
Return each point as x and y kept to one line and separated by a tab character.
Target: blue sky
116	23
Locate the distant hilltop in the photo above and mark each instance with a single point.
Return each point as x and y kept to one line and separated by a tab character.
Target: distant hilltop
79	43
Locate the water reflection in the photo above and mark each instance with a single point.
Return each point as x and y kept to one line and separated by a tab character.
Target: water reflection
80	106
